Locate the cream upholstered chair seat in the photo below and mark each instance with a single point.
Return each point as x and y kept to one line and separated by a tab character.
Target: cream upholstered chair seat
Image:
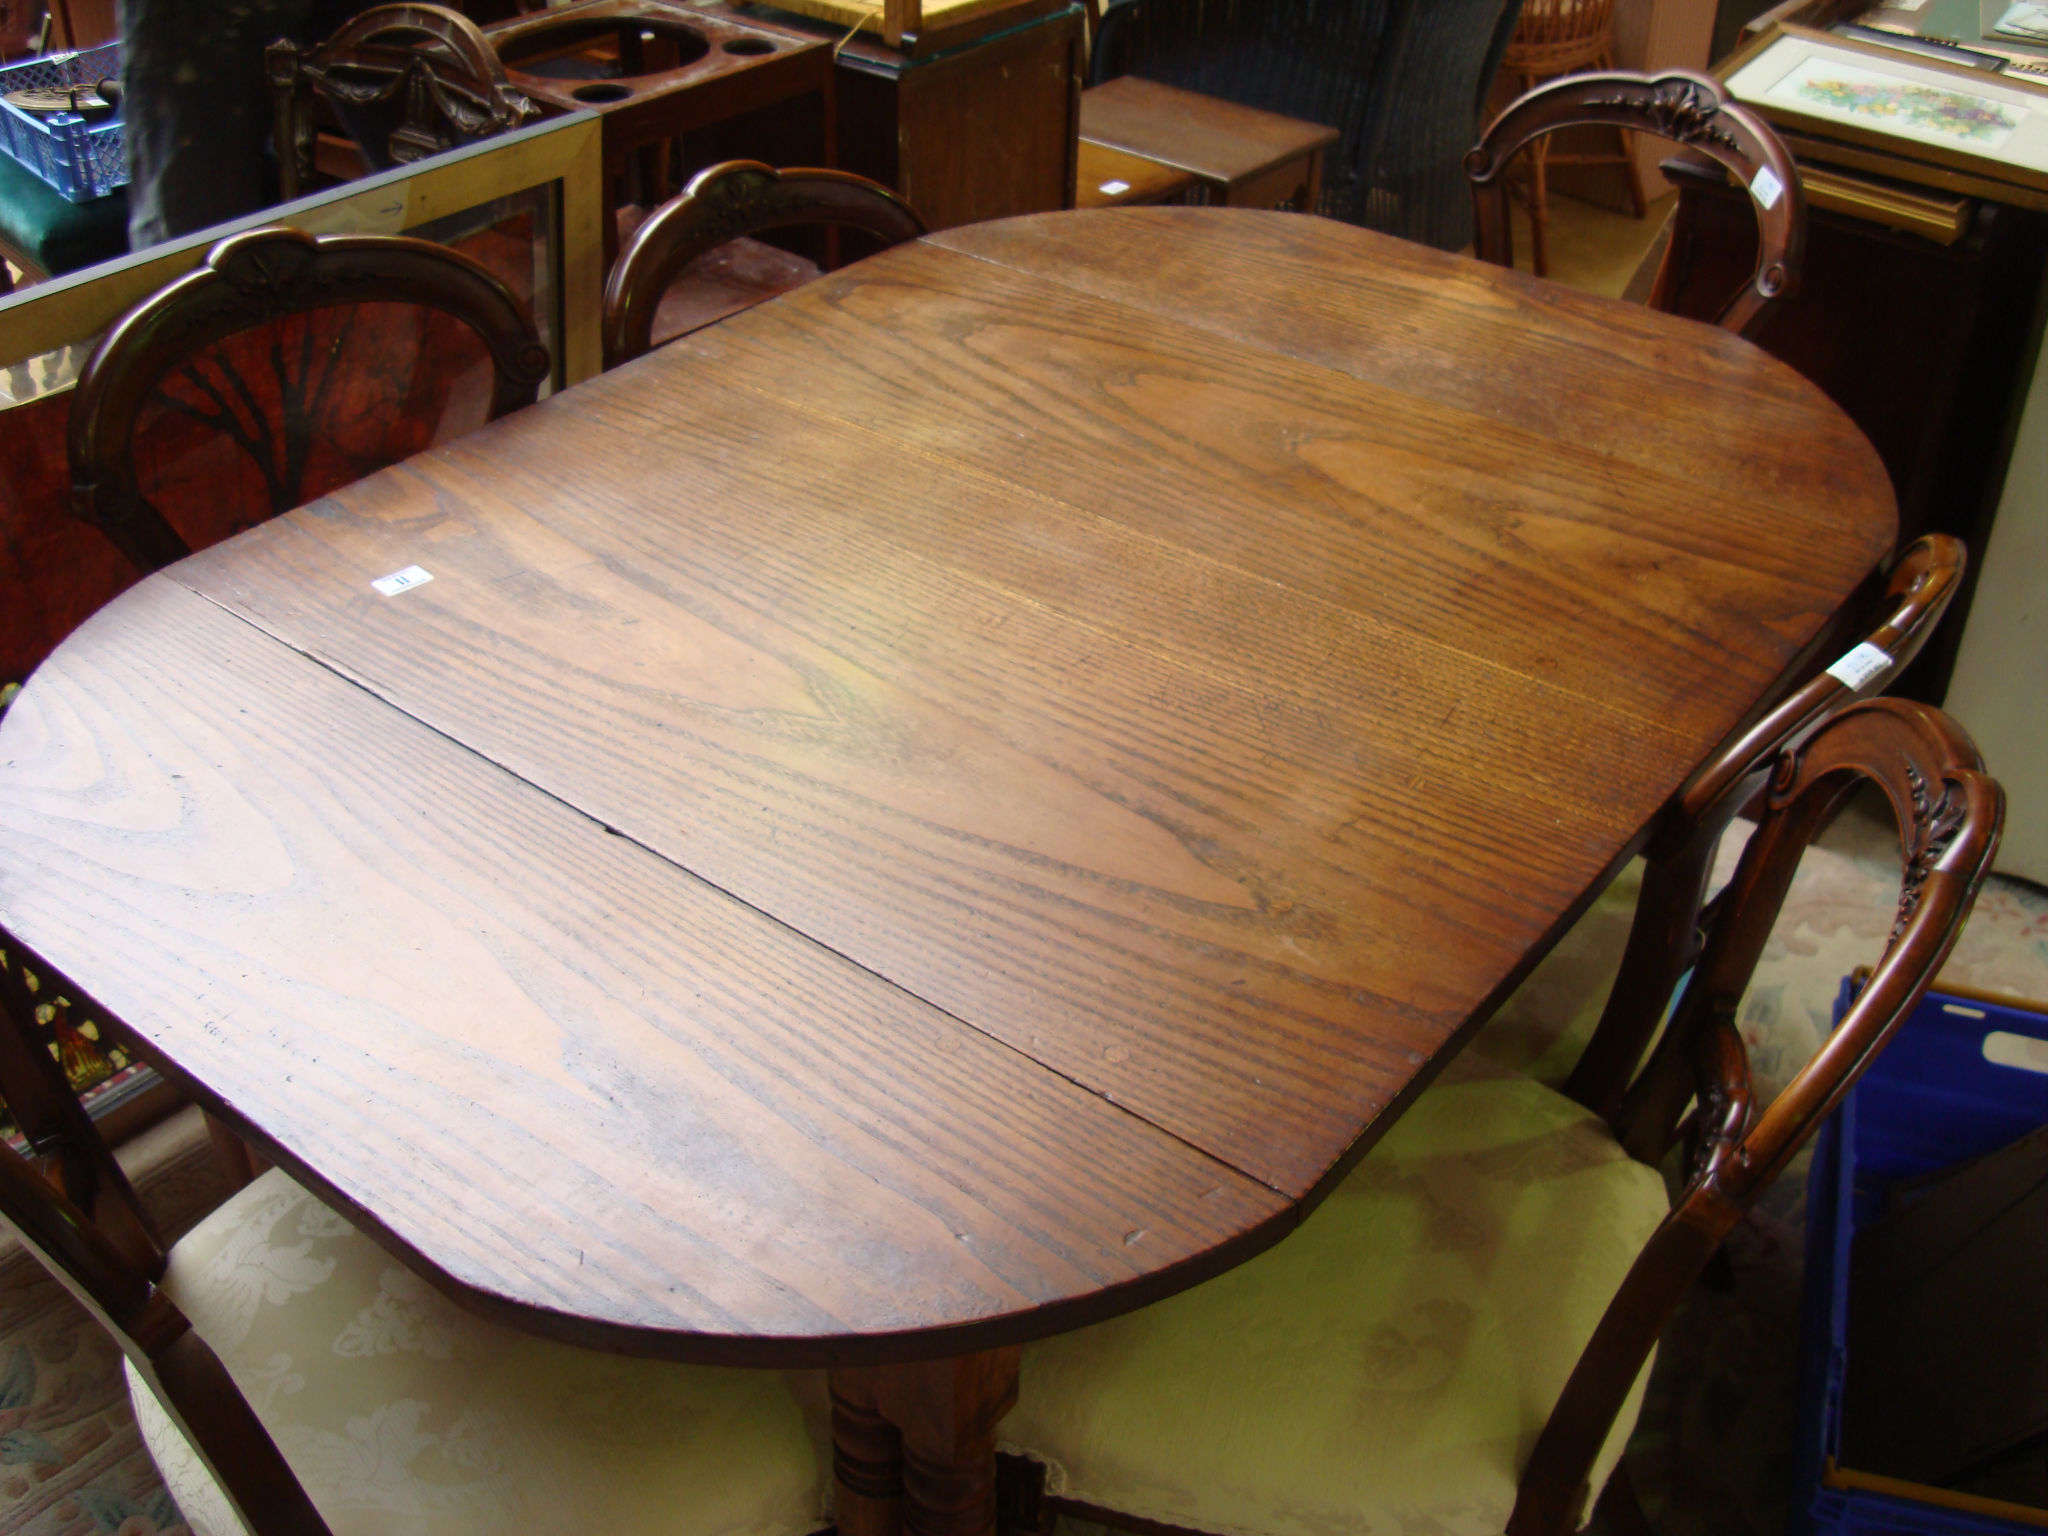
1384	1368
402	1415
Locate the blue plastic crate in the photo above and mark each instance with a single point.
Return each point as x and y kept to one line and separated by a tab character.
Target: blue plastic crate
81	160
1932	1099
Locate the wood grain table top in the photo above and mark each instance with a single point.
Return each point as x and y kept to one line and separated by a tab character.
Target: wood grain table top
948	805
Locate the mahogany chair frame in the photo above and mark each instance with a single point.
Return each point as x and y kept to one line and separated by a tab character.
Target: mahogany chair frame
1687	108
726	202
1949	814
432	68
70	1203
248	280
1666	935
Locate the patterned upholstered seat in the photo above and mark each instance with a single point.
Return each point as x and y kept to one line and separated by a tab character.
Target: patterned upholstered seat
405	1416
1373	1372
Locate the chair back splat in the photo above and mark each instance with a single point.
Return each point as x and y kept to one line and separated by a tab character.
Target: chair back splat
71	1205
726	202
1665	938
1696	1084
1689	109
286	366
406	81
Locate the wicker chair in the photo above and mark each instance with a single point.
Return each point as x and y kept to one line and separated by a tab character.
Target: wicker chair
1403	82
1691	110
1563	37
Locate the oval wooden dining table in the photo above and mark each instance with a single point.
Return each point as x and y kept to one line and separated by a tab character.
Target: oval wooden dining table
953	804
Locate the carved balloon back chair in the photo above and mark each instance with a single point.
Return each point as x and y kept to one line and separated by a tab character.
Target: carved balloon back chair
728	202
1689	109
404	82
1457	1335
284	367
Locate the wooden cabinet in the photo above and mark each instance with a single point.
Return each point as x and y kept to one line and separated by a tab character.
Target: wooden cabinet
980	122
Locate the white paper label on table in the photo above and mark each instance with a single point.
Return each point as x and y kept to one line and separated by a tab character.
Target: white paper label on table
1112	188
1860	665
402	581
1767	189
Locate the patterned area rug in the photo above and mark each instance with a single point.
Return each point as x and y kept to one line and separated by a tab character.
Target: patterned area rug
71	1462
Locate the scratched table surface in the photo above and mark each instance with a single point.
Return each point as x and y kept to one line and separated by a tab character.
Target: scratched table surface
951	804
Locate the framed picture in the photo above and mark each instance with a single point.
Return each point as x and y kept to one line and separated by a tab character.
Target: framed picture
1974	131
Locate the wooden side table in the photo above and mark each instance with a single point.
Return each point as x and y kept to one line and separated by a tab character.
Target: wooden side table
970	124
656	72
1116	178
1238	156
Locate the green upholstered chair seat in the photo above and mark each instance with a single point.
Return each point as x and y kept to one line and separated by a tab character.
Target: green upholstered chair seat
1384	1368
402	1414
56	235
1543	1027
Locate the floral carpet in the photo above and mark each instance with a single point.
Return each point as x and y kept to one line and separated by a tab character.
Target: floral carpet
1711	1453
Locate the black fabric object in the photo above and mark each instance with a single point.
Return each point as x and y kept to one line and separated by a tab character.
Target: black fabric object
1403	81
196	103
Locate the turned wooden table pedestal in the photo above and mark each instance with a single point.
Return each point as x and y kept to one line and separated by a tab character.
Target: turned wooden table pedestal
952	805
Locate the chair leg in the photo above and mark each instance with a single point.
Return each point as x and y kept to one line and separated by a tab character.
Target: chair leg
237	1159
1638	195
1539	211
1619	1506
1539	195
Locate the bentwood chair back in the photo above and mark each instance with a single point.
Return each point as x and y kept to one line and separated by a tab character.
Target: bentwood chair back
1456	1337
1689	109
405	81
1666	933
739	198
283	367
